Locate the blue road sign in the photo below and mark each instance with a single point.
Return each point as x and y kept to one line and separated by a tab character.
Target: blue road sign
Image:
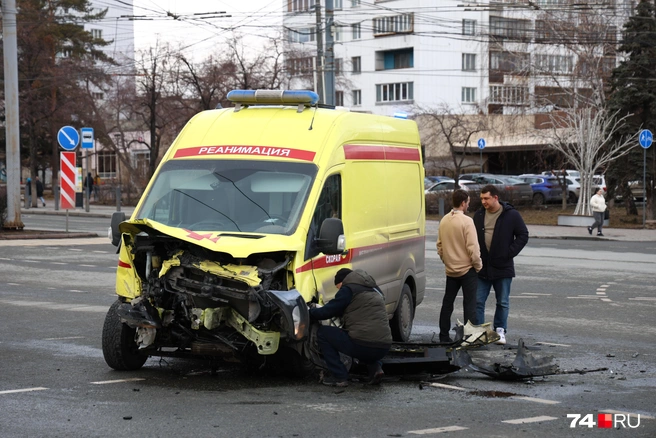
646	138
87	138
481	143
68	138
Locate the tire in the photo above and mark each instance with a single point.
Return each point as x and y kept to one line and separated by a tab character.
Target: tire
538	199
119	347
297	365
401	323
571	198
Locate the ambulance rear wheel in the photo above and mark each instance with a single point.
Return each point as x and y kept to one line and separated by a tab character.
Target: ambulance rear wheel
119	347
401	323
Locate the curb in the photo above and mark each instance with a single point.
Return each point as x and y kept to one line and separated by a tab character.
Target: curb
40	235
63	213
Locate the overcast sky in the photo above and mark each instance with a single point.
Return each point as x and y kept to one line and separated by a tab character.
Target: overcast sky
193	28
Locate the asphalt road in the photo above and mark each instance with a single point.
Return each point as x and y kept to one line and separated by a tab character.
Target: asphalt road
590	304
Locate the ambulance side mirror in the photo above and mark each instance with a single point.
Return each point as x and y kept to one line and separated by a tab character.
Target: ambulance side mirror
115	234
331	237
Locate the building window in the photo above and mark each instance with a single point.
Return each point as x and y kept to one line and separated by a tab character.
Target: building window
96	33
140	162
468	95
355	27
552	3
357	97
300	5
393	24
337	35
338	4
339	66
106	164
339	98
394	92
510	28
356	64
98	96
393	59
509	61
355	3
468	27
509	95
554	63
301	35
296	66
468	62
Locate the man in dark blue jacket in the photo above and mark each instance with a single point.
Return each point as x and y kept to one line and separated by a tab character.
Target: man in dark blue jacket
502	234
365	333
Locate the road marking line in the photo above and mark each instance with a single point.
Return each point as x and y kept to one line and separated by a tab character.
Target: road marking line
74	249
601	293
601	289
551	343
31	261
13	391
630	299
58	263
101	252
63	339
530	420
605	285
4	258
18	284
437	430
526	296
611	411
535	293
88	266
606	300
536	400
75	290
442	385
582	298
105	382
433	288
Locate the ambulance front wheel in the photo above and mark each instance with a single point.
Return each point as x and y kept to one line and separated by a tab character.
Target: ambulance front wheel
118	345
401	323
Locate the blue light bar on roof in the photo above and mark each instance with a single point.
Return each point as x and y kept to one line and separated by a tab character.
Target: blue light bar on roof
400	115
280	97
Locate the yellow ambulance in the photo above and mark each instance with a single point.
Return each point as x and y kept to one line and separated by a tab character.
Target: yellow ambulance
250	214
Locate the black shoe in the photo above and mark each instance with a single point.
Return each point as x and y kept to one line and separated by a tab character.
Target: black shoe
590	230
445	339
334	381
599	234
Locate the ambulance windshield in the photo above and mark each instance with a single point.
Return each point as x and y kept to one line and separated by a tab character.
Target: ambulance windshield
229	195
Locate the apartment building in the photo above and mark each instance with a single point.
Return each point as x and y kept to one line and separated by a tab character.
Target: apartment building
493	57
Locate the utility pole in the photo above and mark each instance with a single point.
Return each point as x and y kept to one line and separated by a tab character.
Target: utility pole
319	65
330	54
11	113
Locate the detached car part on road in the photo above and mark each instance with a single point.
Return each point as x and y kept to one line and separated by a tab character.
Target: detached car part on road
248	217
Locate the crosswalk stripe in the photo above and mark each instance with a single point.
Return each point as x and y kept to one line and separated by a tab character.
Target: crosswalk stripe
437	430
530	420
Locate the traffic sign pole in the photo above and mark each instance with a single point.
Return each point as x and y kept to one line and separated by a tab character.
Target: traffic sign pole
645	139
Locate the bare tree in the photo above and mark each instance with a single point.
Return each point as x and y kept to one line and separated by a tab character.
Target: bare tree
585	137
450	135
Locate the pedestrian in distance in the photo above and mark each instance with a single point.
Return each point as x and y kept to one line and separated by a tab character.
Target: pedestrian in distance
96	187
365	333
88	184
28	193
458	247
598	206
39	191
502	234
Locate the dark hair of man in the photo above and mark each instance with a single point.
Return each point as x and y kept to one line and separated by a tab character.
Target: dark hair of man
491	189
459	196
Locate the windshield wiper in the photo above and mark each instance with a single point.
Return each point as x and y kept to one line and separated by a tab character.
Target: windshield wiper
209	206
244	194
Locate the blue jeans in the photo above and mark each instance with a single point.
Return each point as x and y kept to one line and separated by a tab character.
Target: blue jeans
333	340
502	292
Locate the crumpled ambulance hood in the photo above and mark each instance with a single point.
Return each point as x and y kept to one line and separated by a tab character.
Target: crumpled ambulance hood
238	245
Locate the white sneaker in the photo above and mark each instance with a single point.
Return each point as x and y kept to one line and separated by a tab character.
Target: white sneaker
502	336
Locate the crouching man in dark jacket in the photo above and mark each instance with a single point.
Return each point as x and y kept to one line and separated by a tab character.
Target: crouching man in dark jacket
365	333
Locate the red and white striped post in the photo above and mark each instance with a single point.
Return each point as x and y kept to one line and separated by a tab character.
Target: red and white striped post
67	176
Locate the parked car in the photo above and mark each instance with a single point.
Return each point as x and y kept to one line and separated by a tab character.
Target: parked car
444	189
512	190
438	178
545	188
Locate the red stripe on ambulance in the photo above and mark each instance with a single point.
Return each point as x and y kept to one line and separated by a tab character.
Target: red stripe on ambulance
366	152
260	151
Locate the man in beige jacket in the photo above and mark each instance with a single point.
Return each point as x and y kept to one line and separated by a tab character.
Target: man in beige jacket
457	246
